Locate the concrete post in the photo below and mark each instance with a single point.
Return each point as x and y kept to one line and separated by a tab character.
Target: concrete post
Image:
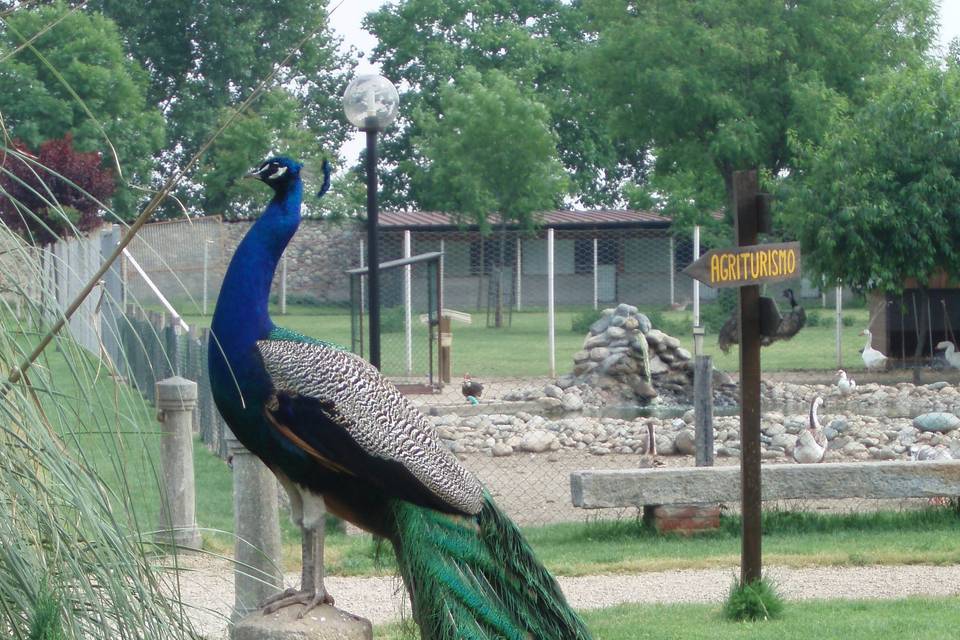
703	409
176	398
256	524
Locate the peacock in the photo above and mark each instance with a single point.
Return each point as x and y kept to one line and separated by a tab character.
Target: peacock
340	437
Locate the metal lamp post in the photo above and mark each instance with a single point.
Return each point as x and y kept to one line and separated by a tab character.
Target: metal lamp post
370	103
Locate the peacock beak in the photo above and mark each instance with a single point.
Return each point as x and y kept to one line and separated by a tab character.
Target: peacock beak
253	175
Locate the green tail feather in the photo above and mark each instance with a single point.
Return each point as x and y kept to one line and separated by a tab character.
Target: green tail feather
477	578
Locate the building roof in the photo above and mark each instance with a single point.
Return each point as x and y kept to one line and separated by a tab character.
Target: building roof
557	218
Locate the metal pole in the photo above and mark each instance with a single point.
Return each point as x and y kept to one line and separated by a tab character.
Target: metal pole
551	319
206	262
745	188
697	335
519	287
443	255
595	278
407	303
839	308
373	245
363	294
672	274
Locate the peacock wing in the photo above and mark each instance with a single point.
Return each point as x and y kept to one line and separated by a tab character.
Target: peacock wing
343	413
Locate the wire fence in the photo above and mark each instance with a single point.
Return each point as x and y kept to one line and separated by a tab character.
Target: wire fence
518	313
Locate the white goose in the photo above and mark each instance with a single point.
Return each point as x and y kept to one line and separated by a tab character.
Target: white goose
845	384
812	443
872	358
953	358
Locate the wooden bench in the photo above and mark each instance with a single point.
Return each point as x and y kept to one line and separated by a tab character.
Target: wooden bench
649	488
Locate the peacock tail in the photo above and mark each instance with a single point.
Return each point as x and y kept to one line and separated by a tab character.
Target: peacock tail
476	578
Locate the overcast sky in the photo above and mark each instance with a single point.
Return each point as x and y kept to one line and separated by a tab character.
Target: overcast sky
347	17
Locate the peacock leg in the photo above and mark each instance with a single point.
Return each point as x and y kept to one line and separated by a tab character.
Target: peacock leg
312	591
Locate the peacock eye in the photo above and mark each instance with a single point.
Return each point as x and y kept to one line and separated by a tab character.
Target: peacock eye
277	170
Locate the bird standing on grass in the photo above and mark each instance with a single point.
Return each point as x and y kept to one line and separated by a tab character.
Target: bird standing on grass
341	437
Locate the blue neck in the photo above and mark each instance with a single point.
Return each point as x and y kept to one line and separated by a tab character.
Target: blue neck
241	316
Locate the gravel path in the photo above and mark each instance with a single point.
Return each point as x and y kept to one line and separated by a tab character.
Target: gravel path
208	586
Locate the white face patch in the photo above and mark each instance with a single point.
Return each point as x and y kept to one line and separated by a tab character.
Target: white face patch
276	174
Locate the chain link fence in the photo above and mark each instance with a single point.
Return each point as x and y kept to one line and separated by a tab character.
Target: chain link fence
513	311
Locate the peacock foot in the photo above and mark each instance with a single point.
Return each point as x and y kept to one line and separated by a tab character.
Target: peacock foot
309	599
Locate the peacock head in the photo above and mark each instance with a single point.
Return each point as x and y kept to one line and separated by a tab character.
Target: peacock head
278	172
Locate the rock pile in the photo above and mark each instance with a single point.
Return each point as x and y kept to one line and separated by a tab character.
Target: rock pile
630	361
851	437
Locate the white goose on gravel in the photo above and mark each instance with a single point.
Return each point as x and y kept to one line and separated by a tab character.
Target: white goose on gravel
872	358
844	384
812	443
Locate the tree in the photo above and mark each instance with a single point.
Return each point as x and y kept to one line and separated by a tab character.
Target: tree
206	56
876	202
273	128
85	53
55	193
538	43
715	86
491	156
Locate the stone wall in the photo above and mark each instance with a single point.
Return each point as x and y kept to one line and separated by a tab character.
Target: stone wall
172	255
317	258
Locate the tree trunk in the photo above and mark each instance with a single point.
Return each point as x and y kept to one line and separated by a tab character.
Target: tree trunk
921	317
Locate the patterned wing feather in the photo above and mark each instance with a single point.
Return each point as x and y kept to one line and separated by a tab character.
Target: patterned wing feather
373	413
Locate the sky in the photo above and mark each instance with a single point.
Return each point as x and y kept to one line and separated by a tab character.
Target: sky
346	21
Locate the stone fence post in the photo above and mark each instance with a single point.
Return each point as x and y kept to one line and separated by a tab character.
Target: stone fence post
176	398
256	525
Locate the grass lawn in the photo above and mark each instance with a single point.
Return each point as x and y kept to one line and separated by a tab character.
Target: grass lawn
522	348
790	539
121	440
926	618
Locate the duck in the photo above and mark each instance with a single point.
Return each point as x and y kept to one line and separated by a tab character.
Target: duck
872	358
951	355
650	458
812	443
845	384
471	389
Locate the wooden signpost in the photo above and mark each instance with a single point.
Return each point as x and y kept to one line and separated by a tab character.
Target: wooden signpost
741	266
747	266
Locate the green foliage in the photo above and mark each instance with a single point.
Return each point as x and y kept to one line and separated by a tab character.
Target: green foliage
712	316
756	600
537	43
76	78
711	87
491	153
581	322
205	57
45	622
875	202
272	127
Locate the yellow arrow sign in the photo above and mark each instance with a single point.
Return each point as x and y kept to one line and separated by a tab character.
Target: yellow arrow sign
740	266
